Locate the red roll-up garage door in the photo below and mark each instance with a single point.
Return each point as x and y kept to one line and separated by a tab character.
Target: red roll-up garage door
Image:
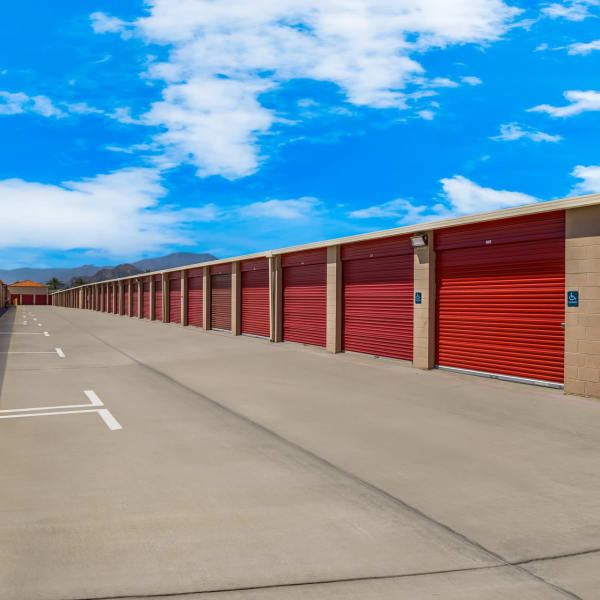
175	297
220	297
255	297
126	308
501	290
305	297
378	297
26	299
158	294
135	298
109	292
41	300
195	298
146	297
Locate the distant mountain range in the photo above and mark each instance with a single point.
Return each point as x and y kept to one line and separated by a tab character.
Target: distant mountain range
93	273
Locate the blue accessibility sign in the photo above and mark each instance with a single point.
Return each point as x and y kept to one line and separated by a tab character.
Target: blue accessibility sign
418	298
573	298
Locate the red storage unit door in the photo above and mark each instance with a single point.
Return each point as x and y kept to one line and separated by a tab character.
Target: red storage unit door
378	297
125	309
26	299
305	297
501	294
220	297
41	300
158	298
109	301
195	298
175	298
256	315
135	297
146	298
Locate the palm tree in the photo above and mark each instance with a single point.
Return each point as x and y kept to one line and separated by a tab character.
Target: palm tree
55	284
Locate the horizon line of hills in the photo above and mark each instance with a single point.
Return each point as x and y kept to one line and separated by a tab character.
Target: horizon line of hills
70	276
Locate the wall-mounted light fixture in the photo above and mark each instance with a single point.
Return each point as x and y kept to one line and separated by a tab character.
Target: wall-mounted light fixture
418	240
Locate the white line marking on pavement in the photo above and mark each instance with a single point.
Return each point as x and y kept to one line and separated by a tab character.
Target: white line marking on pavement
46	352
93	397
19	333
60	353
39	324
46	334
24	322
110	421
103	413
34	318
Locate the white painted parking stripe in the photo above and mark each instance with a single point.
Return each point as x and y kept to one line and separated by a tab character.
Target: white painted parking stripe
20	333
60	353
39	324
93	397
61	412
36	408
110	421
46	334
46	352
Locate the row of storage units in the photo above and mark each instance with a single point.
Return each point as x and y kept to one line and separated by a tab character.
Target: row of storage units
498	296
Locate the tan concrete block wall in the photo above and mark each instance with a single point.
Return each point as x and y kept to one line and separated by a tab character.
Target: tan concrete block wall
424	313
276	298
582	323
334	300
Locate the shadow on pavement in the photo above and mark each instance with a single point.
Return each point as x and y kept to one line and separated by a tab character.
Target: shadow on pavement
7	320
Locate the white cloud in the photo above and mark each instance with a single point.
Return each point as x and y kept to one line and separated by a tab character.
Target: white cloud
591	179
573	10
583	48
471	80
223	55
460	196
301	208
19	103
442	82
117	213
580	101
426	114
541	47
510	132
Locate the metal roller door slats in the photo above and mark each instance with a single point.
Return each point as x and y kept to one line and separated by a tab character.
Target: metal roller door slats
378	303
195	300
220	301
255	298
175	299
158	294
500	307
146	298
305	304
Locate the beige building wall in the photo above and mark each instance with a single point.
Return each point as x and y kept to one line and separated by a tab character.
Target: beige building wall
334	300
276	298
424	313
582	323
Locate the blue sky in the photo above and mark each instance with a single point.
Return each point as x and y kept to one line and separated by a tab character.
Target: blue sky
132	129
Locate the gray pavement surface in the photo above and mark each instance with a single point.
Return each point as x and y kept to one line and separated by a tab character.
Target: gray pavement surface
248	470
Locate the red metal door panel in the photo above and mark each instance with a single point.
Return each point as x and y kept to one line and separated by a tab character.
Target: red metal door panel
146	298
110	298
175	298
255	303
41	300
158	294
305	304
26	299
220	301
195	300
135	297
378	306
126	308
500	307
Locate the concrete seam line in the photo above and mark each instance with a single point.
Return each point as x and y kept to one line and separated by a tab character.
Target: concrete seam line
555	557
337	469
294	584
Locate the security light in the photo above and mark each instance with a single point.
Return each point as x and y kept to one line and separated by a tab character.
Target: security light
418	240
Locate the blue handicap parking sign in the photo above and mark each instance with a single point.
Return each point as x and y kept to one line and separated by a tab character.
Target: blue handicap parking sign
573	298
418	298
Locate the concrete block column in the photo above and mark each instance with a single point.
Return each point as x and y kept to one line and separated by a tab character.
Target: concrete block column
205	298
184	298
276	298
236	299
334	300
582	323
424	313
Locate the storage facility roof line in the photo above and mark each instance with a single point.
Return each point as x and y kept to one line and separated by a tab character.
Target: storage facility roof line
505	213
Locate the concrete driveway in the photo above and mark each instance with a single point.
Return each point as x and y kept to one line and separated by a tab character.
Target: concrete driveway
180	462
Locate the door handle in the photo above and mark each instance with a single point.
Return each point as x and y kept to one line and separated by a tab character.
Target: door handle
562	325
